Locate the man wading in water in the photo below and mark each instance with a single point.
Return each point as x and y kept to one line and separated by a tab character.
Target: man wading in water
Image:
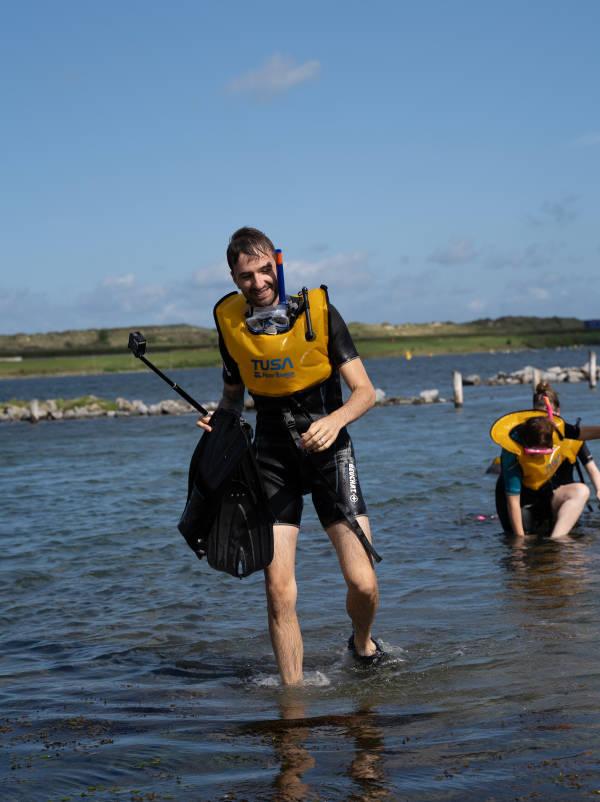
290	359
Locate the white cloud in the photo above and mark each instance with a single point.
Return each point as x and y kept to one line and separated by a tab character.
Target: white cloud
126	280
127	300
278	74
459	252
590	140
117	299
216	276
539	293
532	257
341	269
22	310
476	305
559	212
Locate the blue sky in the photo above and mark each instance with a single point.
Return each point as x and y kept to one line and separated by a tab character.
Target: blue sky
427	161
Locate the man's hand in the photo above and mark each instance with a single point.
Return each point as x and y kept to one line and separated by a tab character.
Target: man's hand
321	433
204	423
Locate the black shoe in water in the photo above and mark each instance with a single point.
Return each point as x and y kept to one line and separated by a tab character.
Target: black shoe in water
366	659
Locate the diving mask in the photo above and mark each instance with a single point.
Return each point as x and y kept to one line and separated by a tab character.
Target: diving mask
269	319
535	451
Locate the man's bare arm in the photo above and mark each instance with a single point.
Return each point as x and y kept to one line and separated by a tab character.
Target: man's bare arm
323	432
232	398
589	432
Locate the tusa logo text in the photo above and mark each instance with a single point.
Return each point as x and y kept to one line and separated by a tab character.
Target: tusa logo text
278	368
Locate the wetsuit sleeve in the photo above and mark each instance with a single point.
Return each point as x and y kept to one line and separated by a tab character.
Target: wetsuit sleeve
341	346
511	473
231	372
585	455
572	432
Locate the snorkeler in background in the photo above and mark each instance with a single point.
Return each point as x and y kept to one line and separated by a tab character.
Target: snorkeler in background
532	495
564	474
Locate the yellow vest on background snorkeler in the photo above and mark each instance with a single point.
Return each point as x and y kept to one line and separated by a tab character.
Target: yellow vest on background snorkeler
538	465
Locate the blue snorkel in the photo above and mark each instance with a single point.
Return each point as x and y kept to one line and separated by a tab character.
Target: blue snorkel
280	278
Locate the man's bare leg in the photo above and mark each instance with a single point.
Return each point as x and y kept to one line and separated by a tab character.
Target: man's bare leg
280	586
363	595
568	502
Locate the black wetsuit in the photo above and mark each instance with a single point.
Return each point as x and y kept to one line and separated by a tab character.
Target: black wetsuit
288	473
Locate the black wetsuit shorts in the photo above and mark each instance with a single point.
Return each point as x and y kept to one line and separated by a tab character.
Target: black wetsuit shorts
289	473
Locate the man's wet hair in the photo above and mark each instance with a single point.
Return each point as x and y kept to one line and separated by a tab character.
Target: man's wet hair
537	433
249	241
545	389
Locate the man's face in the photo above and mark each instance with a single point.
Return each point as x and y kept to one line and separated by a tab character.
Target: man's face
256	278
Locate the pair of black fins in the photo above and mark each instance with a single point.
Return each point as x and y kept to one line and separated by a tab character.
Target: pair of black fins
227	517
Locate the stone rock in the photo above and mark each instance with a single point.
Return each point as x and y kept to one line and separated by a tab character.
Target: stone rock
429	396
172	407
574	375
554	376
473	380
123	405
139	407
525	376
379	395
35	410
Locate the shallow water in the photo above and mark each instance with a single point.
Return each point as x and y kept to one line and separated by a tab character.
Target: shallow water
131	671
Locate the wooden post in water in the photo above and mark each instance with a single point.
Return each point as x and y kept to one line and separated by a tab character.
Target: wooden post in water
457	384
537	377
593	369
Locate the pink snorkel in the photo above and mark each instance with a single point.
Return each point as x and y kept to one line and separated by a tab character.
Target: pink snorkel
550	413
549	409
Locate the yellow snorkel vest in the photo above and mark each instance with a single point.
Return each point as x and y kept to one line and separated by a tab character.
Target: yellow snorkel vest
537	468
277	365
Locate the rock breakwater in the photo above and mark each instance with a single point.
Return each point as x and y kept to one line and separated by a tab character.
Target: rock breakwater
90	406
529	374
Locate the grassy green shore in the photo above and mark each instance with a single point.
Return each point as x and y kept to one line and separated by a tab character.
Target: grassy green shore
169	347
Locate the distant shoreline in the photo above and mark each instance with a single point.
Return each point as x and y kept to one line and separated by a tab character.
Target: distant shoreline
94	352
167	362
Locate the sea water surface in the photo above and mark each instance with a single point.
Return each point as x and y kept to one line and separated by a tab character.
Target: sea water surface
131	671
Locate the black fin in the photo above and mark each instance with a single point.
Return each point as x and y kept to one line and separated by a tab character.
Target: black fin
227	517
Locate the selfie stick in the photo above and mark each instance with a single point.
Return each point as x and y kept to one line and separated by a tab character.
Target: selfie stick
137	345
